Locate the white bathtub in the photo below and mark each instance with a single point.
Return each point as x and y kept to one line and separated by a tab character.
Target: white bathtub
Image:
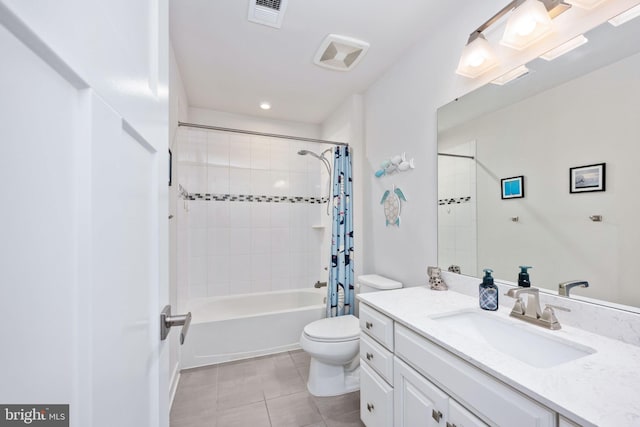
242	326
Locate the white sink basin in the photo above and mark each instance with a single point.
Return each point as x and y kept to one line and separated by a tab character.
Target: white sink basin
518	341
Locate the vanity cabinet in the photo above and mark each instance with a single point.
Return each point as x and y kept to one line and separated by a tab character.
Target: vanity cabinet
407	380
481	394
376	368
417	401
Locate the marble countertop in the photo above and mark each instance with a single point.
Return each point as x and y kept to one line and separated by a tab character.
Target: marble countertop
600	389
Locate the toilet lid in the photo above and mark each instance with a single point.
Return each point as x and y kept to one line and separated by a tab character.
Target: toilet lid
341	328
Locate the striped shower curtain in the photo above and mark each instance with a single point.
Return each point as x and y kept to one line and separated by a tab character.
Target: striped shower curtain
340	291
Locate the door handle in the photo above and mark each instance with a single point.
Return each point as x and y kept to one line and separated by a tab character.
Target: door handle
167	321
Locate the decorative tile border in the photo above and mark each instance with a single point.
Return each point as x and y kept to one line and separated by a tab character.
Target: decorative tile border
454	201
219	197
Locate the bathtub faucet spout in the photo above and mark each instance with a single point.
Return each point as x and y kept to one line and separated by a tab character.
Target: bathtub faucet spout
319	284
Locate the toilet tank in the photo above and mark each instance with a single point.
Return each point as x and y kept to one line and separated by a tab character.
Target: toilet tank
376	283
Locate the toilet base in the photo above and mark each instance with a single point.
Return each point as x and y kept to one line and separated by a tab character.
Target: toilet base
333	380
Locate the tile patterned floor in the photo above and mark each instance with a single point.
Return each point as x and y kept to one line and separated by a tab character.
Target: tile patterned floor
266	391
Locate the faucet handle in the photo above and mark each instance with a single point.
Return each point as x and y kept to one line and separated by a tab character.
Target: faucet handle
549	315
557	307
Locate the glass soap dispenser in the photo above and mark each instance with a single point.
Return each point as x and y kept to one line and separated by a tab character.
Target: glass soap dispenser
523	277
488	292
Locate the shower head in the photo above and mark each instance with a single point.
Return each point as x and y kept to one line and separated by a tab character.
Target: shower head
305	152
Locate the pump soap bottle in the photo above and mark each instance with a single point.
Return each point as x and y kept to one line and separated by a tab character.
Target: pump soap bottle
523	277
488	292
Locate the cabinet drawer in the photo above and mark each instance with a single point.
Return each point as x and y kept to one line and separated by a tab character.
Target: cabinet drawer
377	325
376	399
477	391
377	357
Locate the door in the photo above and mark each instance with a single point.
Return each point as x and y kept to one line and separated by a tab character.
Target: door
82	250
417	402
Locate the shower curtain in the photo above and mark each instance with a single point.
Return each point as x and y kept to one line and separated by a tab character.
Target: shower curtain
340	291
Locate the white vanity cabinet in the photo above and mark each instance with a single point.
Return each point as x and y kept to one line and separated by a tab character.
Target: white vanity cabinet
376	368
479	394
417	401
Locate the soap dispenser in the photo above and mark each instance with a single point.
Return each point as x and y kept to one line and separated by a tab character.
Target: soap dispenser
523	277
488	292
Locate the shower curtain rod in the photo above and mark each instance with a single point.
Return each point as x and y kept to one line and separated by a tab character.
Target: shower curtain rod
456	155
250	132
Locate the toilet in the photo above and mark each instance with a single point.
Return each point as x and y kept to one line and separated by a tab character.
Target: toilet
334	345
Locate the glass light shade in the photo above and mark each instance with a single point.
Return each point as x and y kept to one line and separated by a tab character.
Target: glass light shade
511	75
527	24
585	4
627	16
477	58
564	48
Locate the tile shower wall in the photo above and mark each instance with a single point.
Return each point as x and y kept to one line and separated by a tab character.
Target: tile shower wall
238	247
457	236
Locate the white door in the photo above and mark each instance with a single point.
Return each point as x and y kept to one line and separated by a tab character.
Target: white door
82	248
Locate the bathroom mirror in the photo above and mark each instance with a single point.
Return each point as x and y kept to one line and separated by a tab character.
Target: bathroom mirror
578	110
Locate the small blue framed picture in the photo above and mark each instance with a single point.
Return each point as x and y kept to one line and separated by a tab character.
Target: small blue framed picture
513	188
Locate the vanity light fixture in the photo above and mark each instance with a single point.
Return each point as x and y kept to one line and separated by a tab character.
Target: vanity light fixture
477	57
586	4
265	105
627	16
511	75
528	23
565	48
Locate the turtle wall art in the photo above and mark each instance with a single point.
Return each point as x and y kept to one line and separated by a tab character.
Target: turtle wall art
392	202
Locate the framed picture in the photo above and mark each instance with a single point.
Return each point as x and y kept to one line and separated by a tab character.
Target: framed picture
170	166
513	188
588	178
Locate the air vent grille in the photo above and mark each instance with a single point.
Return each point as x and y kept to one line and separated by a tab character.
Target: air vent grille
271	4
267	12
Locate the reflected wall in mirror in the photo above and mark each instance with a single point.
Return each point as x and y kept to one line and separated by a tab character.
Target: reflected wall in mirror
581	109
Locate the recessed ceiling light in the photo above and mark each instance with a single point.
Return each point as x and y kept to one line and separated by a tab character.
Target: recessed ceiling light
265	105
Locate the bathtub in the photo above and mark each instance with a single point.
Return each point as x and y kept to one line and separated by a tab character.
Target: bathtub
242	326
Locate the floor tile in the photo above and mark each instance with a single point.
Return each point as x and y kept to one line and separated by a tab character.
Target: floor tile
294	410
300	357
351	419
279	376
254	415
239	392
338	405
234	370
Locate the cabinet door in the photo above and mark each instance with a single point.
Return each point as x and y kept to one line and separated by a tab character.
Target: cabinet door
376	398
460	417
417	402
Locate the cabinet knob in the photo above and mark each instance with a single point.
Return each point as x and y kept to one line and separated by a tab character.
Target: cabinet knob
451	425
369	356
370	407
436	415
369	325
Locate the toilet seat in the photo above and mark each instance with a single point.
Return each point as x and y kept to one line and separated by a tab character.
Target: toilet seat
334	329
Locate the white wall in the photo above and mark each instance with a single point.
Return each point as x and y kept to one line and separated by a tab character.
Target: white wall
400	115
588	120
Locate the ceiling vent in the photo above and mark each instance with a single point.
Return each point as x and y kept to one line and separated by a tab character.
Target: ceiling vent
340	53
267	12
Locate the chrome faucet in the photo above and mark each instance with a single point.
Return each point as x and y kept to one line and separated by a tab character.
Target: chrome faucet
565	287
319	284
530	312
